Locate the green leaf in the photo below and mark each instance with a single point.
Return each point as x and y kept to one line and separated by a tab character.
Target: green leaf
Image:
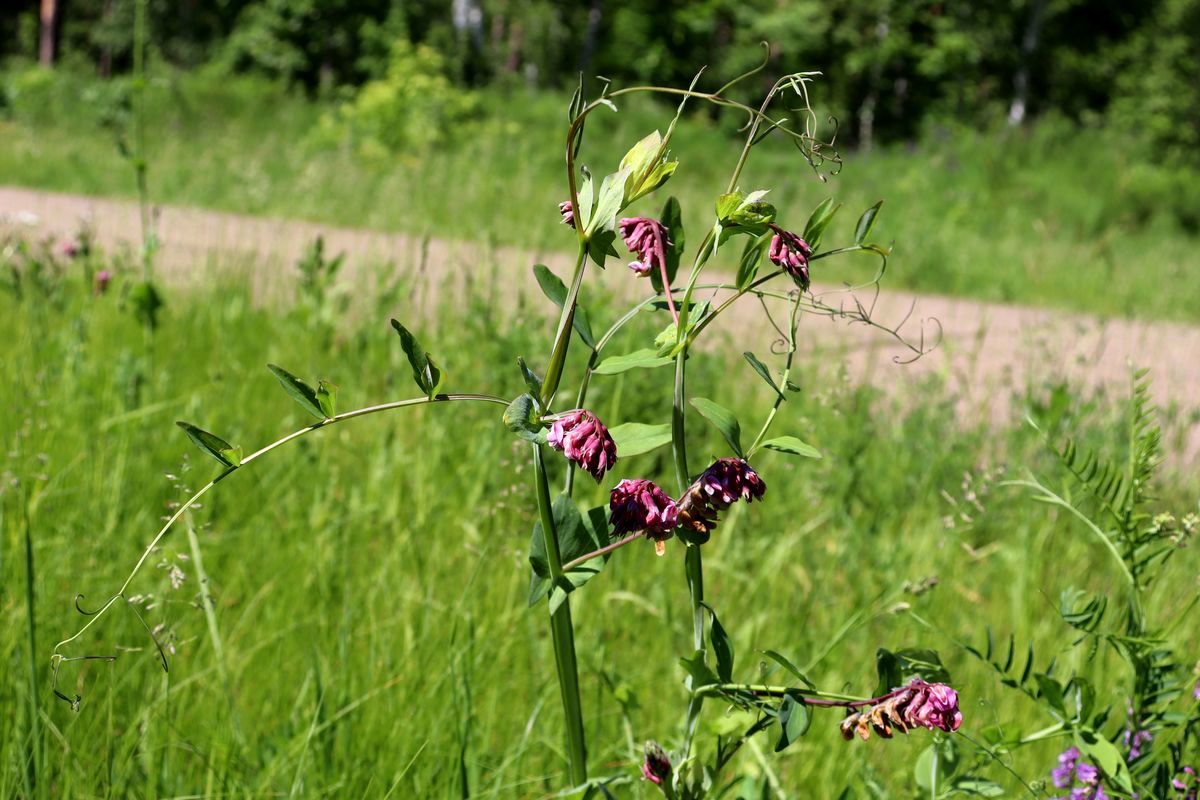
425	372
1106	756
727	204
533	381
586	194
1051	691
327	398
635	438
761	369
752	256
300	391
641	157
578	535
701	674
821	216
608	202
790	444
865	223
638	359
212	444
556	291
672	218
724	421
978	787
722	647
794	719
600	247
753	215
521	418
787	664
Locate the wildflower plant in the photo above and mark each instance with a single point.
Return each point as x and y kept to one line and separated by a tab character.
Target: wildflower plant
771	252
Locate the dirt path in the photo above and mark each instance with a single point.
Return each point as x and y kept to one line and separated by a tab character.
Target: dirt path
987	350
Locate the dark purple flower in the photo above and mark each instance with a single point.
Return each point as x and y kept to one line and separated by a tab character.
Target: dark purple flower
647	239
656	768
568	212
584	440
718	487
790	252
639	505
933	705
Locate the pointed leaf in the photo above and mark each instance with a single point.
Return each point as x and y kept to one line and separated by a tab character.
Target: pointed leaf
752	256
521	418
723	419
638	359
761	369
212	444
300	391
700	673
865	223
327	398
533	381
790	444
787	664
672	218
821	216
608	202
635	438
425	372
556	291
794	719
722	647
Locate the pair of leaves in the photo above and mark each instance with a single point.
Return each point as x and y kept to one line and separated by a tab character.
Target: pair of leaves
726	422
818	221
425	371
320	402
578	535
794	719
553	287
212	444
646	168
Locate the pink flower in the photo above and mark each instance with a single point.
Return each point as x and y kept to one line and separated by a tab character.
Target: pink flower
568	212
656	768
639	505
791	253
69	248
933	705
647	239
100	281
584	440
722	484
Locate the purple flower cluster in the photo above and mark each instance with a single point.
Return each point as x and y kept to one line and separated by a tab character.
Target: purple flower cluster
647	239
567	209
640	505
656	767
917	705
723	483
583	439
1081	777
790	252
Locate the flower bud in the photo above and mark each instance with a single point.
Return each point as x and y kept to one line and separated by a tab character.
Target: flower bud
790	252
567	209
656	767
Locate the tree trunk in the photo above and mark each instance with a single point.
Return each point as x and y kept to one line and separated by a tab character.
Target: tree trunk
48	35
1016	111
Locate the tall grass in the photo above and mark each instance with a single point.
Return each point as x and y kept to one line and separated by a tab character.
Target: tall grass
1052	215
367	634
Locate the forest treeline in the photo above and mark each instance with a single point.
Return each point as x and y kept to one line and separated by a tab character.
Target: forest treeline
889	67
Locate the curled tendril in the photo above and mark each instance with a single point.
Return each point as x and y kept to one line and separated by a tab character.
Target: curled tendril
57	660
87	613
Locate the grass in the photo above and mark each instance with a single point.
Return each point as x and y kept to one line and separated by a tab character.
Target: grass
369	634
1054	215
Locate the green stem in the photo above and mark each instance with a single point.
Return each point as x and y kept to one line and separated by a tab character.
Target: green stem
57	657
562	337
783	381
563	632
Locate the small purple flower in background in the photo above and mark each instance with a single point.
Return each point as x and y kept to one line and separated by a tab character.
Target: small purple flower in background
584	440
1135	738
647	239
1072	770
656	768
101	281
639	505
1187	784
568	212
718	487
69	248
790	252
1196	691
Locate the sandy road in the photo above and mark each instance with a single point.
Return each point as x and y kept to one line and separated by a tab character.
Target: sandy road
988	351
